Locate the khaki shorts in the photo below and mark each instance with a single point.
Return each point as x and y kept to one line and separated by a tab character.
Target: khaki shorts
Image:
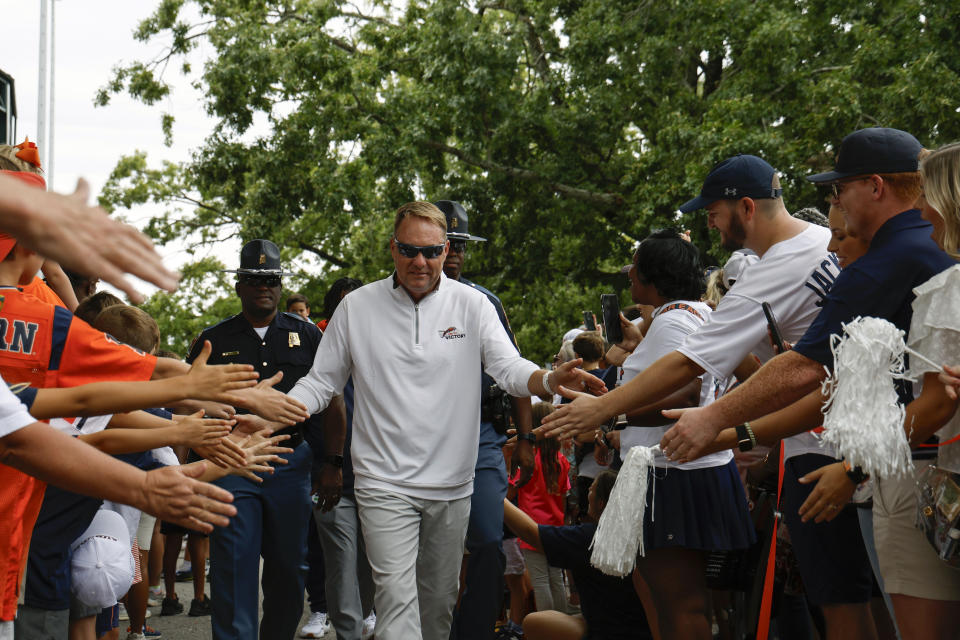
908	564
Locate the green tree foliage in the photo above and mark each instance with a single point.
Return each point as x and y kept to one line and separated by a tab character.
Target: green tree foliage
568	128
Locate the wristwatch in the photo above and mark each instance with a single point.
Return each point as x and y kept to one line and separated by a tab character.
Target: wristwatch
334	460
856	474
529	437
746	440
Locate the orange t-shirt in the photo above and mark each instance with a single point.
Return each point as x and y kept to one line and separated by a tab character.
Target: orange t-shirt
42	291
46	346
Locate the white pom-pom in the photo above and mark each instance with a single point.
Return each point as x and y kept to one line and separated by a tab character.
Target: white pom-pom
619	533
862	416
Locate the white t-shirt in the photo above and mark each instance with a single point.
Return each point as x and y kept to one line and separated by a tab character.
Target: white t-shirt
13	415
793	276
667	332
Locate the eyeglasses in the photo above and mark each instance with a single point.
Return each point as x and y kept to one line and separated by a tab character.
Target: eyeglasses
429	252
838	187
260	281
458	246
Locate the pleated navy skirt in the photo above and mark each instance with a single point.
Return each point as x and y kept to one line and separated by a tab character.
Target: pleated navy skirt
703	509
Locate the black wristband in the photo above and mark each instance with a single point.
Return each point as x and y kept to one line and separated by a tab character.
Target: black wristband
857	476
529	437
334	460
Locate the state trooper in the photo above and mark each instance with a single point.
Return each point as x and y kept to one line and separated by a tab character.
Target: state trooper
272	516
479	606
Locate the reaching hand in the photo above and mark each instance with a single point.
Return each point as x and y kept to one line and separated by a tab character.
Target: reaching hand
832	492
568	420
273	405
262	451
570	376
227	453
173	494
80	237
688	438
250	423
218	382
195	431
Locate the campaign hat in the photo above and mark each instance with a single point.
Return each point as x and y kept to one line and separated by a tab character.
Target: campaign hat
742	176
873	150
259	258
457	223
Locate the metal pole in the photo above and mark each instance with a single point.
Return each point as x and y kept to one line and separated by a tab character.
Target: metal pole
51	124
41	132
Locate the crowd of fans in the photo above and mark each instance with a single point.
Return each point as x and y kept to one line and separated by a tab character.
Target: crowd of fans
350	446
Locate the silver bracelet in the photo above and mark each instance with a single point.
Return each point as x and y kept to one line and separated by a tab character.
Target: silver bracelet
546	383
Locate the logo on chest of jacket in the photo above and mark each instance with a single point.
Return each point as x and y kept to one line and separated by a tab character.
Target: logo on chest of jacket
452	333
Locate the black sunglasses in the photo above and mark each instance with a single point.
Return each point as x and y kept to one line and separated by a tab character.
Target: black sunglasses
458	246
411	250
260	281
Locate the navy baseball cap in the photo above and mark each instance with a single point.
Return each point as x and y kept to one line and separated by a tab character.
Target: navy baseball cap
738	177
873	150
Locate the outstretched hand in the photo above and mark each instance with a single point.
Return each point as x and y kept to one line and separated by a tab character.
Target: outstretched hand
218	383
81	237
273	405
950	377
195	431
173	494
568	420
689	438
571	376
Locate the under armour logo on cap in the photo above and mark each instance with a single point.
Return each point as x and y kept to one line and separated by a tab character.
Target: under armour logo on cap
742	176
730	191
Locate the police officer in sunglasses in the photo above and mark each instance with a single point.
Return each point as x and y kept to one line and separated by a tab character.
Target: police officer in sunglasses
480	603
272	516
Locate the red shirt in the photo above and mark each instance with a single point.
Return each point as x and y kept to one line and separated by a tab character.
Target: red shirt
46	346
538	503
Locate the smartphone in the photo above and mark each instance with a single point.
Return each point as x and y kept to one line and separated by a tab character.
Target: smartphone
589	321
775	334
610	308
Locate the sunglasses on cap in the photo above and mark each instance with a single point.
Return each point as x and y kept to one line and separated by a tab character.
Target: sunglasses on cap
411	250
259	281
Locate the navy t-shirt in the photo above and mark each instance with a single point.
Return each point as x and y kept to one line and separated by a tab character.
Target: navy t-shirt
609	604
880	284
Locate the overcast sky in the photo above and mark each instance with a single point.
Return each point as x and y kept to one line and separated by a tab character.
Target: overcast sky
92	36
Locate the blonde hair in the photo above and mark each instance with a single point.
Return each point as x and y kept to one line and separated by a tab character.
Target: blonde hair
419	209
715	288
941	185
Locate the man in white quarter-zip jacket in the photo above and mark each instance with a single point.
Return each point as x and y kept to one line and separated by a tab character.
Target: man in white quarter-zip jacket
414	343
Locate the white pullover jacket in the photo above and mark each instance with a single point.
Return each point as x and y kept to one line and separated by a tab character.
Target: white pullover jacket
416	374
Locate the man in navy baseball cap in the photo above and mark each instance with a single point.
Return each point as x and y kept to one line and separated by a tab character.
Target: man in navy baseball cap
741	176
873	151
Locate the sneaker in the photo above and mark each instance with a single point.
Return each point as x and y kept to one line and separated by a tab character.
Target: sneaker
185	575
123	613
200	607
155	597
369	624
316	627
148	632
135	636
147	614
171	607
